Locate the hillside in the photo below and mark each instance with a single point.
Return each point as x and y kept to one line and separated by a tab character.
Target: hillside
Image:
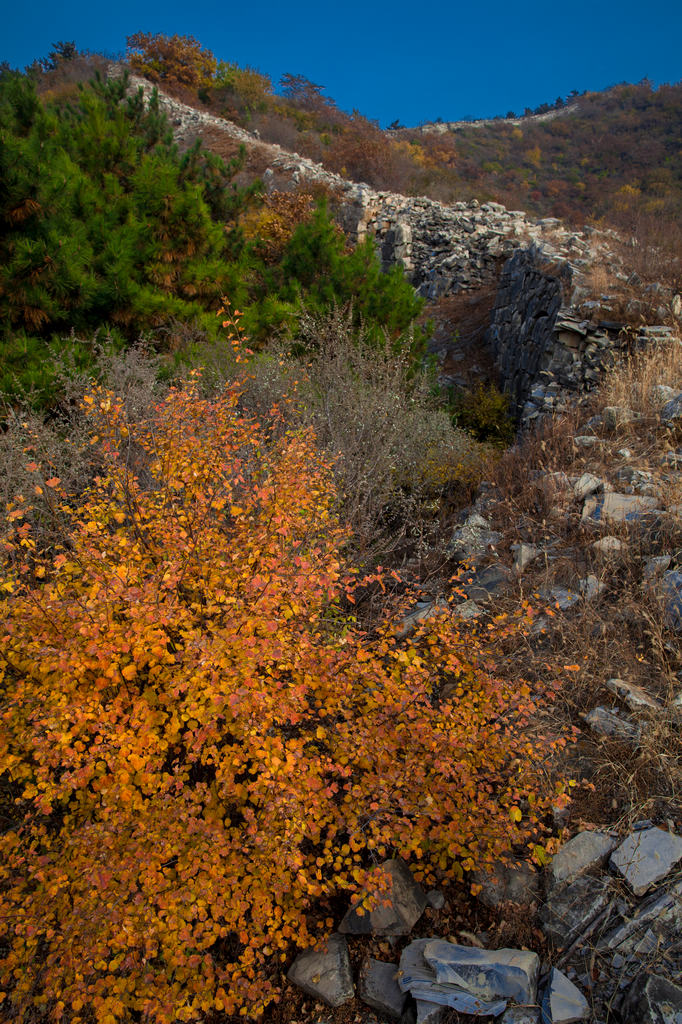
340	555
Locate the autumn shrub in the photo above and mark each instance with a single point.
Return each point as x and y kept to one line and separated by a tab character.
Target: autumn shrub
200	749
271	226
173	58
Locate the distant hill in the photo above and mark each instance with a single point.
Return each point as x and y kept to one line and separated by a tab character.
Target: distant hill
607	154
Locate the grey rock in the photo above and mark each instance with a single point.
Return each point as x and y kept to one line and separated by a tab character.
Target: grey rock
661	394
435	899
587	484
508	883
378	987
619	508
634	696
672	410
560	597
652	1000
468	610
486	582
583	852
524	554
474	538
658	912
429	1013
486	974
614	416
563	1003
417	977
608	723
590	587
325	974
586	441
570	908
656	566
609	547
396	912
671	588
646	857
423	611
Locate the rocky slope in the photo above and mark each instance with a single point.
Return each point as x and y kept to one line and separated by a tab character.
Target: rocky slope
546	334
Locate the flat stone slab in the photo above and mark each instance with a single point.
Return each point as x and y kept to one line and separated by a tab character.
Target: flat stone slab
325	974
646	857
619	508
563	1003
583	852
488	974
378	987
396	912
570	909
417	977
657	913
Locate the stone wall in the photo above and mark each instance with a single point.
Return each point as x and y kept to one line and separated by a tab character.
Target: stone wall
546	351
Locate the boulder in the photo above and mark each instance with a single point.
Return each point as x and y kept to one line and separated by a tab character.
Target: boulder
609	547
378	987
325	974
521	1015
614	416
473	539
582	853
395	912
636	698
524	554
587	484
417	977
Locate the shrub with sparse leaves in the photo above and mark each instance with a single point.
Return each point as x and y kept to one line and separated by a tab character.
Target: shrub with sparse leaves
200	748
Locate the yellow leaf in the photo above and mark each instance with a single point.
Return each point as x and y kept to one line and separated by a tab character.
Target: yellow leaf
129	672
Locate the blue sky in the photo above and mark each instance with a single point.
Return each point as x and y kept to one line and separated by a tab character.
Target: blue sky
409	61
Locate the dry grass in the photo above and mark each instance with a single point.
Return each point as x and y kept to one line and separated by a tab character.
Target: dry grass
623	632
633	383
